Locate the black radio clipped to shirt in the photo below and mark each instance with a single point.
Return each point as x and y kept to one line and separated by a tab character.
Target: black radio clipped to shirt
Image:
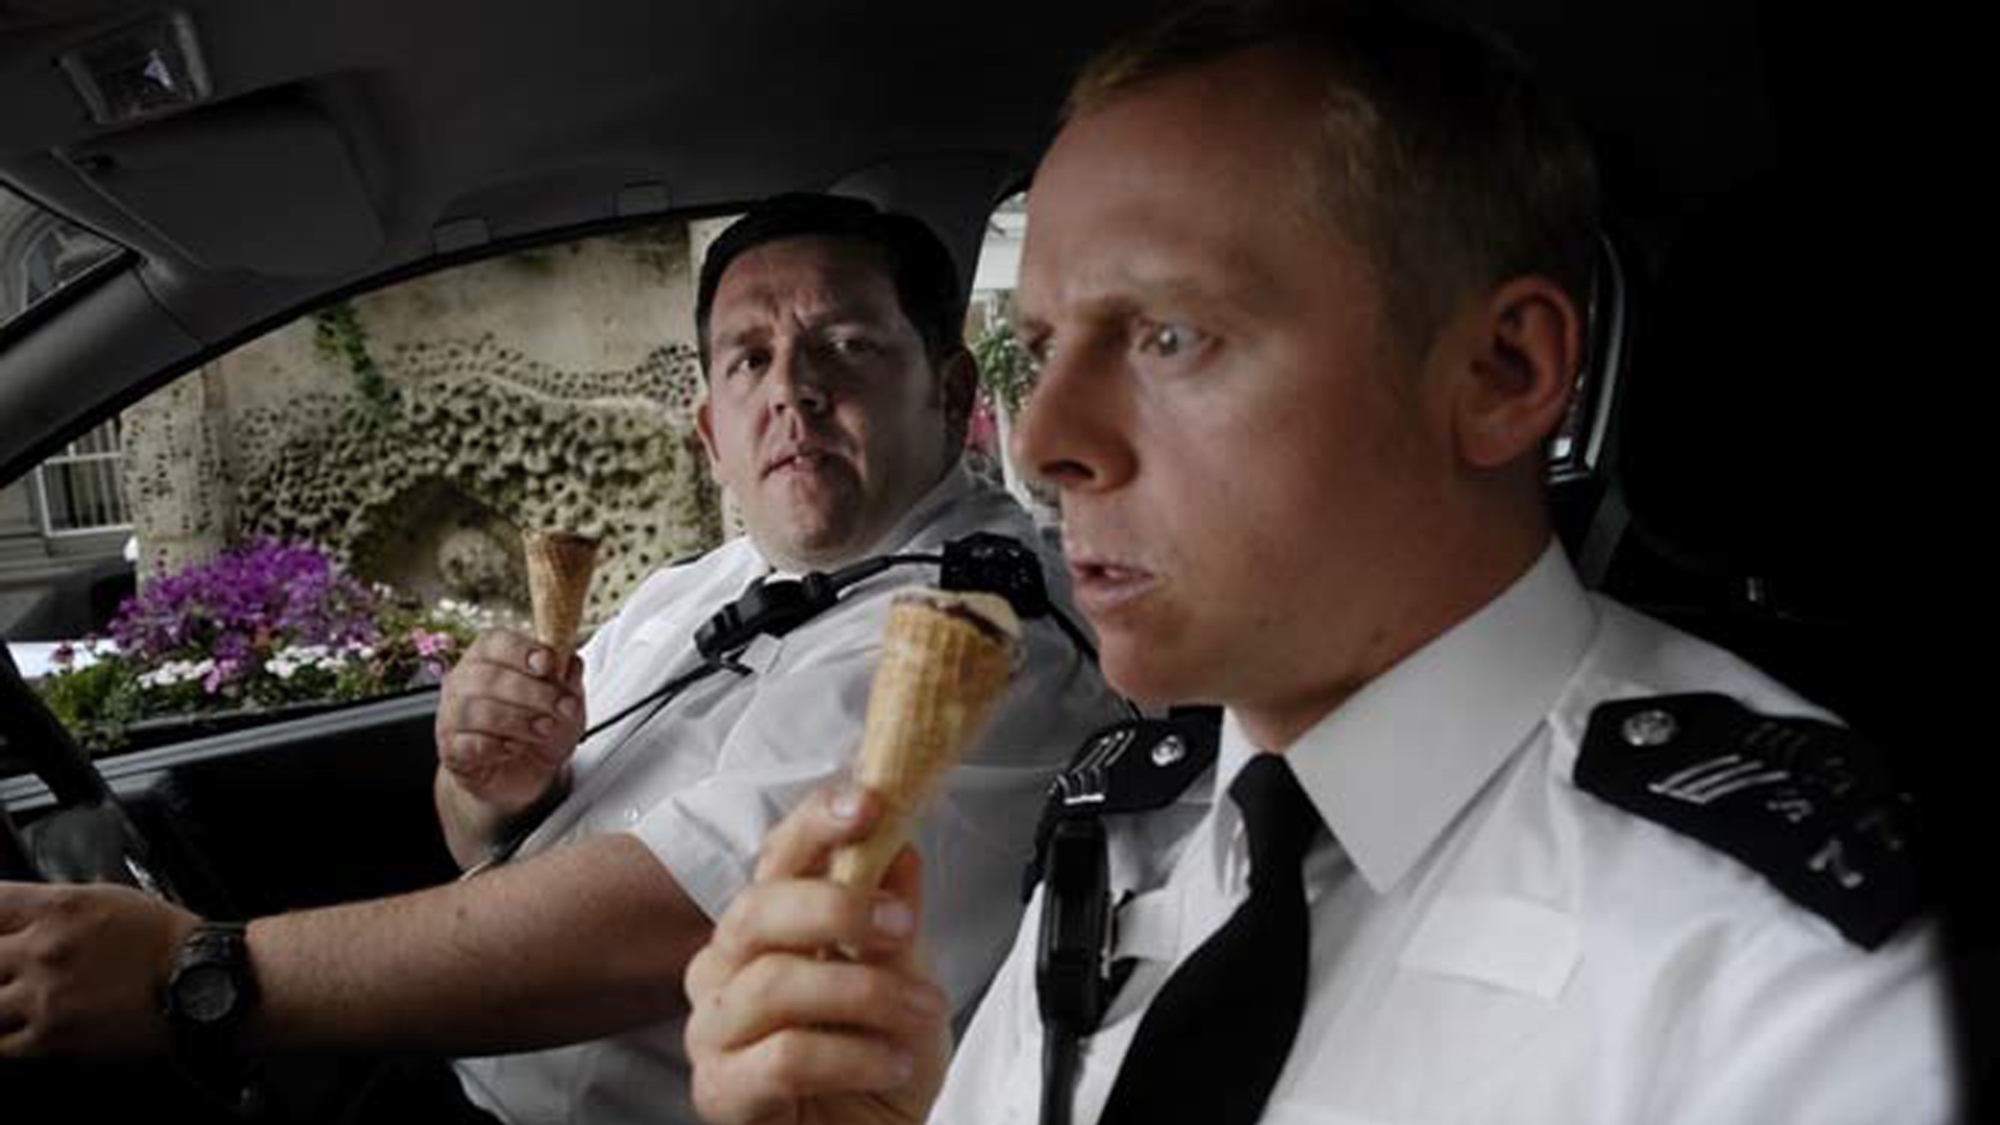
1132	767
982	561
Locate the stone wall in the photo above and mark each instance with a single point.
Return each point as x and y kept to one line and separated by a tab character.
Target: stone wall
419	429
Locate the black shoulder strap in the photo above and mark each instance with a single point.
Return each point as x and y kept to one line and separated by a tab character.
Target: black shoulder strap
1808	805
1134	766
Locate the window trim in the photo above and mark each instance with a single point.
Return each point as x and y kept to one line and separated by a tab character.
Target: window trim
69	455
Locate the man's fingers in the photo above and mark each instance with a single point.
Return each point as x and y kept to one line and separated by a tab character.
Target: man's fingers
778	991
755	1083
16	1027
904	878
479	681
517	651
777	1021
837	813
496	718
19	903
808	915
795	917
479	754
904	882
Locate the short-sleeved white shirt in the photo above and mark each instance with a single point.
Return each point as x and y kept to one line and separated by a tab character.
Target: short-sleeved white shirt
701	782
1489	943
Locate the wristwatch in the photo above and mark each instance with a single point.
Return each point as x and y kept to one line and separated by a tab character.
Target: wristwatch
208	1001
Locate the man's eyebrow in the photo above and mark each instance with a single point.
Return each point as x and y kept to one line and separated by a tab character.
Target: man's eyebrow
1227	280
832	314
740	337
851	312
1230	283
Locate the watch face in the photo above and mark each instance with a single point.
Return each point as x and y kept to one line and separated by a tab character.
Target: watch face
205	993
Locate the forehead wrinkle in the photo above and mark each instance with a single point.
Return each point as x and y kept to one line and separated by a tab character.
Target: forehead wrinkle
1144	270
754	314
809	279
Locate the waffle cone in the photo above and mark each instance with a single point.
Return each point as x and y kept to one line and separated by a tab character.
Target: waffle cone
945	660
559	565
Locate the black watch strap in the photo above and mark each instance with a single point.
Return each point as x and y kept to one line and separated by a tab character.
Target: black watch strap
208	1003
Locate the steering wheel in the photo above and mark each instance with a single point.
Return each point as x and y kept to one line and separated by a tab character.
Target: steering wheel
14	861
90	838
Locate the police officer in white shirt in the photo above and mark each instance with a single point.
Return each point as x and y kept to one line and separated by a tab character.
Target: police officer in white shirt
838	395
1475	846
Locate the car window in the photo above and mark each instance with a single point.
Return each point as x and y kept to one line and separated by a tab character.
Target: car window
1005	373
42	254
330	512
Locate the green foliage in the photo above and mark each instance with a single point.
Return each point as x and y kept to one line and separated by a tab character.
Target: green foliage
339	336
100	697
1005	368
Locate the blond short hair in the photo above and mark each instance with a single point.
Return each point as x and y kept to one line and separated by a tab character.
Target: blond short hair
1438	156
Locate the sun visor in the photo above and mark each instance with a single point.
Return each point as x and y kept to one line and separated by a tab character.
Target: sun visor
264	185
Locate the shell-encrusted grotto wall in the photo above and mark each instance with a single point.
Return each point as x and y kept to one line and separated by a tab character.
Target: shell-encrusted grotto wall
418	430
478	443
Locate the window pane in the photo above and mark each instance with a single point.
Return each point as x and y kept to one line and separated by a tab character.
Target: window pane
40	253
1005	377
331	512
83	489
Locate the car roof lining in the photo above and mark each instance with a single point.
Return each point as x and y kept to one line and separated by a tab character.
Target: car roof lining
556	138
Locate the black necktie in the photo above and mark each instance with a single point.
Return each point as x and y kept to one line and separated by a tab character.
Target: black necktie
1210	1047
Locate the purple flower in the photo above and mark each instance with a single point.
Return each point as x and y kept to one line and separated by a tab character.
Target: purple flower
248	601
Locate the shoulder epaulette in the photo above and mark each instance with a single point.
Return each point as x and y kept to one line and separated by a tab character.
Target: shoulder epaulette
1129	767
1809	805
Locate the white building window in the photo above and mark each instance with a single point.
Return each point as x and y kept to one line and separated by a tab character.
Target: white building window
80	488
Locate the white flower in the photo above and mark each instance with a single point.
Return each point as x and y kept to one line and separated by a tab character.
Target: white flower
176	672
293	659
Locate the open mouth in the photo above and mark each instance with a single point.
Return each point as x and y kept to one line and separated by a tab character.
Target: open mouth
1101	587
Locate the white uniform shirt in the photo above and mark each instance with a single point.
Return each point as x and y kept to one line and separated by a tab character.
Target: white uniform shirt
1491	944
704	780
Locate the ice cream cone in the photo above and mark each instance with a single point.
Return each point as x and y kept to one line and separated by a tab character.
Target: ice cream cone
946	658
559	565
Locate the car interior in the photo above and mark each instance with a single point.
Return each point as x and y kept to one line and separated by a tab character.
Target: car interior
247	162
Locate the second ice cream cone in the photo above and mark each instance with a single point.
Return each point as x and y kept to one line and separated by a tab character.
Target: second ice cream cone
559	567
946	658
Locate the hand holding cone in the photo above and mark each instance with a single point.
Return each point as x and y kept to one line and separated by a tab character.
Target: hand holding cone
946	657
559	565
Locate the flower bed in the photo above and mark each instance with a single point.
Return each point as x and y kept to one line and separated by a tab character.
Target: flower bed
267	626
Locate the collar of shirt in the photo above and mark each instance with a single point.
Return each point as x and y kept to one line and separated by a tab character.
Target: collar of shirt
1390	768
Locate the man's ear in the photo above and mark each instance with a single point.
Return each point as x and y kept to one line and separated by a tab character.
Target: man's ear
1525	343
704	427
958	388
